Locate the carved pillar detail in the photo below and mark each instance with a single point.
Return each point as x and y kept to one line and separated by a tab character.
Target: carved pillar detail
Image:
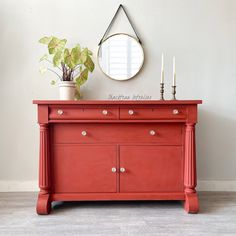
44	162
190	159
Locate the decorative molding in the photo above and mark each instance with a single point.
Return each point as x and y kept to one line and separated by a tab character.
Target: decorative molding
203	185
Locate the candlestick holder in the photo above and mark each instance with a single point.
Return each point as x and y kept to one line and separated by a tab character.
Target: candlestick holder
162	91
173	92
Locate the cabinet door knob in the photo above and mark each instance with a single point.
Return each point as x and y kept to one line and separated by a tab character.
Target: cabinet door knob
131	112
175	111
84	133
113	169
59	112
122	169
105	112
152	132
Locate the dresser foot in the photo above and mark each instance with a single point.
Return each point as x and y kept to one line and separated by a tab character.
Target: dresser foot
191	204
43	204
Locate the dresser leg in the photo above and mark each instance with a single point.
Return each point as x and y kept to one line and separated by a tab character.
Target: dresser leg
191	204
43	204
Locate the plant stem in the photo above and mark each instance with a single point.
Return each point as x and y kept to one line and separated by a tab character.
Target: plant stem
52	64
55	73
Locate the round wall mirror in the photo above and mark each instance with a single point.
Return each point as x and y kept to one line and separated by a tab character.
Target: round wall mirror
120	56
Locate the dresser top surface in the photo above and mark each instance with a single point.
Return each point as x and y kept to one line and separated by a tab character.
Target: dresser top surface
117	102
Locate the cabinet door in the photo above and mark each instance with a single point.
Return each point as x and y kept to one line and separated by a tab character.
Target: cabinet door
151	169
84	168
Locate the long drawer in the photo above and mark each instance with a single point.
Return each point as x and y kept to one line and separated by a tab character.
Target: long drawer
136	113
83	113
163	133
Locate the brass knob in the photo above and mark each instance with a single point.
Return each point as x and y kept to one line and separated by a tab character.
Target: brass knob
122	169
105	112
59	112
152	132
175	111
113	169
131	112
84	133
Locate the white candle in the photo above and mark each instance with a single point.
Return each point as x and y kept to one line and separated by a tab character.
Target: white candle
174	72
162	68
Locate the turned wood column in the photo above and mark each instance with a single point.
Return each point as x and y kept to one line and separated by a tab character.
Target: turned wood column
44	162
190	159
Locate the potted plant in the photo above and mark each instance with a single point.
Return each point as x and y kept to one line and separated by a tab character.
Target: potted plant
71	65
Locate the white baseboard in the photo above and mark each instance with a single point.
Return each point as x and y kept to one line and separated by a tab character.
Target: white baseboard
32	186
216	185
18	186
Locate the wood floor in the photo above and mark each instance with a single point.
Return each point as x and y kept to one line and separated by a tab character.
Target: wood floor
216	217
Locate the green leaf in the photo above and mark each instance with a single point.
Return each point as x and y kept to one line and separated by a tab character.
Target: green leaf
55	45
82	78
83	56
45	40
68	59
44	57
89	64
57	58
75	55
77	93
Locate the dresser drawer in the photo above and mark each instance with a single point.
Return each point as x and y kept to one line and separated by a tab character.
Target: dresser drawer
81	113
134	113
160	133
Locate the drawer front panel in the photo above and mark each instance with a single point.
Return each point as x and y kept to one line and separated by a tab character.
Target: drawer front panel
151	169
84	168
73	113
170	134
134	113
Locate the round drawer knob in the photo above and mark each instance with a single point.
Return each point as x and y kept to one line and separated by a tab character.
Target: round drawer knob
84	133
131	112
152	132
175	111
105	112
122	169
113	170
59	112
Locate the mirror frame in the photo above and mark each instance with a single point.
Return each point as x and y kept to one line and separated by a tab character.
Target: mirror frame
141	66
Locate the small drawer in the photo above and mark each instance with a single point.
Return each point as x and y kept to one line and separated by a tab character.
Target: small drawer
134	113
160	133
80	113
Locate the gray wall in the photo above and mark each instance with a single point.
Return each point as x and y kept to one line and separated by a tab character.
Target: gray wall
201	34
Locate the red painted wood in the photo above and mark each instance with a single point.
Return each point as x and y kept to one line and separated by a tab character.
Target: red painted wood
120	133
42	114
117	196
190	178
79	112
151	169
77	167
152	113
118	102
84	169
43	204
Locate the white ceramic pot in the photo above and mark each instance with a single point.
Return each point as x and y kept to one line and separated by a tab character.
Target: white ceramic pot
67	90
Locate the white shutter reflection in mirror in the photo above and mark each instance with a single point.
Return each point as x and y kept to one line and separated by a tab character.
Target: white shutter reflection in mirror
120	56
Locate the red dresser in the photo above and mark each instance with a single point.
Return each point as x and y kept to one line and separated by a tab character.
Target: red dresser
117	150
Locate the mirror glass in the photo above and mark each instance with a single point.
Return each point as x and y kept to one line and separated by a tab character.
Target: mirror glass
120	56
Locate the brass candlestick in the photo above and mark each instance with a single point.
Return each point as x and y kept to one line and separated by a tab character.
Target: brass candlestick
173	92
162	91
